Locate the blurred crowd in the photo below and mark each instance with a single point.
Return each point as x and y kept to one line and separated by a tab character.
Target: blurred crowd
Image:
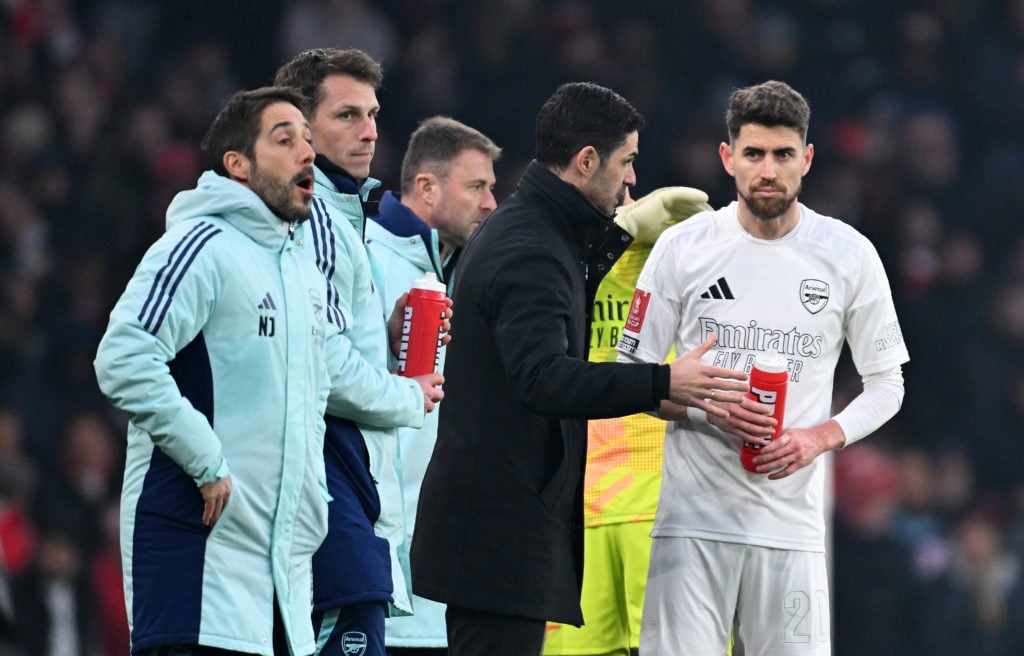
916	112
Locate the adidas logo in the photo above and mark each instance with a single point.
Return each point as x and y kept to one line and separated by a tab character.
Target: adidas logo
719	290
267	303
266	326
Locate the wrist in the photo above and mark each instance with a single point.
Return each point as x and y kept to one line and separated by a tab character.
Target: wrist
661	380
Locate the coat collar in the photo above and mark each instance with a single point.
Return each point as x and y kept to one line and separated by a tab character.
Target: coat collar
400	221
588	228
217	195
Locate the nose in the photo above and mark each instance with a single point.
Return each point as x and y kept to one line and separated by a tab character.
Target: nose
768	169
369	131
630	180
489	202
308	153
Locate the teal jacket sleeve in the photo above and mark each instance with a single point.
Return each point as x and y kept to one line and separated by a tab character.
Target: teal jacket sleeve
145	332
367	394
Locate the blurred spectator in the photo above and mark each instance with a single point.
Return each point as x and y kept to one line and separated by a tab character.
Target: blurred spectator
80	108
86	476
8	646
338	24
53	601
1015	529
992	382
956	481
930	156
197	85
876	595
17	481
694	160
102	101
977	607
105	577
918	524
28	132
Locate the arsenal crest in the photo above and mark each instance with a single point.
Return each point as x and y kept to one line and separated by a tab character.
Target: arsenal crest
813	295
353	643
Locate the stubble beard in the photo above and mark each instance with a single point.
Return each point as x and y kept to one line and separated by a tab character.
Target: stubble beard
620	199
767	209
599	203
278	196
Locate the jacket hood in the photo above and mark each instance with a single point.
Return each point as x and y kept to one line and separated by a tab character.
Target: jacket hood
216	195
399	230
582	222
329	182
352	206
399	219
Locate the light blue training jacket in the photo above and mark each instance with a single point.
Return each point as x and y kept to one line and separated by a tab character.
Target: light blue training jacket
364	392
405	248
216	352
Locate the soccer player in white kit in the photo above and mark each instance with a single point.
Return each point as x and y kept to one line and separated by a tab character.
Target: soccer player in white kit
735	550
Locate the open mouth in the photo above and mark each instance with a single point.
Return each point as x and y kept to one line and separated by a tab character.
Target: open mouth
305	183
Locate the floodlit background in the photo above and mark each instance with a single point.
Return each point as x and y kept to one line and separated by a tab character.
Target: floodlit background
918	123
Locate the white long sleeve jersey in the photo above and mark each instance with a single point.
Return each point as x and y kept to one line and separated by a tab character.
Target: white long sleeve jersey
804	295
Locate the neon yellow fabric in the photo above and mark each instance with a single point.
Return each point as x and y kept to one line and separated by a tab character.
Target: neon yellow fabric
624	453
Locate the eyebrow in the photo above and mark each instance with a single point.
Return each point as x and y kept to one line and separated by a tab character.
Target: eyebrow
288	124
756	149
356	107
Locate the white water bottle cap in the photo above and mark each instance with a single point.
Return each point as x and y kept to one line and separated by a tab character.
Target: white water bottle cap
429	282
771	362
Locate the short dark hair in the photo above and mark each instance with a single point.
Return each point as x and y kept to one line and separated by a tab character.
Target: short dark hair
769	104
306	72
581	114
435	143
237	126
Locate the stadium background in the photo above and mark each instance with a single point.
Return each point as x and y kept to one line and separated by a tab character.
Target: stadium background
917	113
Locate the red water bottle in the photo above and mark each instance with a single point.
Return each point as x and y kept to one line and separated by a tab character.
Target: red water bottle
768	379
422	327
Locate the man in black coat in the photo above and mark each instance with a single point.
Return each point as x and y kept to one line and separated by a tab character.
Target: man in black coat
499	534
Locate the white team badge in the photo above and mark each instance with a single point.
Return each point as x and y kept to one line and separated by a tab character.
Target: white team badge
813	295
353	643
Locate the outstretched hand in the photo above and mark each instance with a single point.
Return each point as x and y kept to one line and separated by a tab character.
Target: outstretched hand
696	384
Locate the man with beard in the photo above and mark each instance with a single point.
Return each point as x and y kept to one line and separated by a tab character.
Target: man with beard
735	549
499	534
216	352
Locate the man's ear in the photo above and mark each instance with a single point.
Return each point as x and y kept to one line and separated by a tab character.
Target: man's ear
725	153
808	157
426	185
237	165
586	161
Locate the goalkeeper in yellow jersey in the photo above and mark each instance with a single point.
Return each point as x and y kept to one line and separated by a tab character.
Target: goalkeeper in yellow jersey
623	457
